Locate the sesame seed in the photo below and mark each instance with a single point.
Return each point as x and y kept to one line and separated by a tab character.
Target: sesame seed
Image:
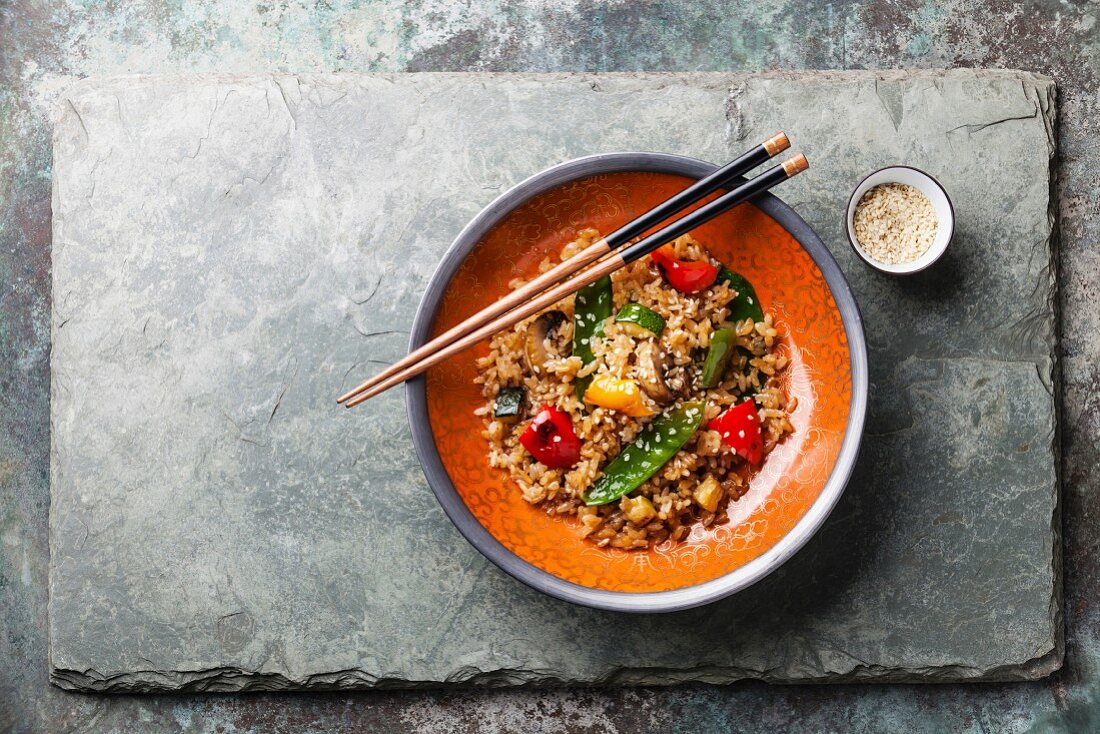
895	223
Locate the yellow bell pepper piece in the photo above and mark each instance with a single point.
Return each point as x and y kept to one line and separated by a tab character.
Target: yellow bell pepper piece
622	395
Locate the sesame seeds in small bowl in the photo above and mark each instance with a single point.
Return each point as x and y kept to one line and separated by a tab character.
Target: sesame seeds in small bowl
900	220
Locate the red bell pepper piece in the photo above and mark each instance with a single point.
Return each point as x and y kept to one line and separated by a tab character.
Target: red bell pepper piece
551	439
686	276
740	430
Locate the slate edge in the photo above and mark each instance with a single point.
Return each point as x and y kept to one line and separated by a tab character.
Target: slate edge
230	679
1047	97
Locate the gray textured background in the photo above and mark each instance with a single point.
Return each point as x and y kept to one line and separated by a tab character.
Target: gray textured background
230	253
44	43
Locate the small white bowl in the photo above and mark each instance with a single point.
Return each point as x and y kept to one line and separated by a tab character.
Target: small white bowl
941	204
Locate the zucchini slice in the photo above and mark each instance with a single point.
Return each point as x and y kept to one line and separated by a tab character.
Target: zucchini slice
508	406
640	321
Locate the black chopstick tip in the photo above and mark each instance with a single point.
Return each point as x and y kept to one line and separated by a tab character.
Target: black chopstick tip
796	165
777	143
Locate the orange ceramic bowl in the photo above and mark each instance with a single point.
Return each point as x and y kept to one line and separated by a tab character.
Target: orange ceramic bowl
801	480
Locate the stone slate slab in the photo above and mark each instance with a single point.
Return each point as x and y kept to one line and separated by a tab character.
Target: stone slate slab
231	252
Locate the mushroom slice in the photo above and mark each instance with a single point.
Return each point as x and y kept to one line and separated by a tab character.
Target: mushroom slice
650	371
537	335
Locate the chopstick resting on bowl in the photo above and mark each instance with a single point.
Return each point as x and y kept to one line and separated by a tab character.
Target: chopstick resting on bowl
701	188
738	194
747	161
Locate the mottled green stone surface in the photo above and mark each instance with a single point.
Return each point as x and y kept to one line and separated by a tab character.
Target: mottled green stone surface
43	44
228	253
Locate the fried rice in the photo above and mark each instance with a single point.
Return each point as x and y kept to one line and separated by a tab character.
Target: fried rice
690	320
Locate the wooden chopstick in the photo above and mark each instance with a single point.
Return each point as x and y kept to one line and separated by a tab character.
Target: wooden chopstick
745	162
747	190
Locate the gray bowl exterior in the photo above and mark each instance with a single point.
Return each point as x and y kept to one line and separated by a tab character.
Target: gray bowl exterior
645	602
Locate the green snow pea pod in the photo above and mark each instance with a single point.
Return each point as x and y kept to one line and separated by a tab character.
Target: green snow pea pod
655	445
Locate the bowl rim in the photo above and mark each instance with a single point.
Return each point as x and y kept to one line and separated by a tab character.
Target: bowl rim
621	601
907	268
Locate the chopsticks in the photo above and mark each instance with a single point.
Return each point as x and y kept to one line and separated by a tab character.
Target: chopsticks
459	338
745	162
